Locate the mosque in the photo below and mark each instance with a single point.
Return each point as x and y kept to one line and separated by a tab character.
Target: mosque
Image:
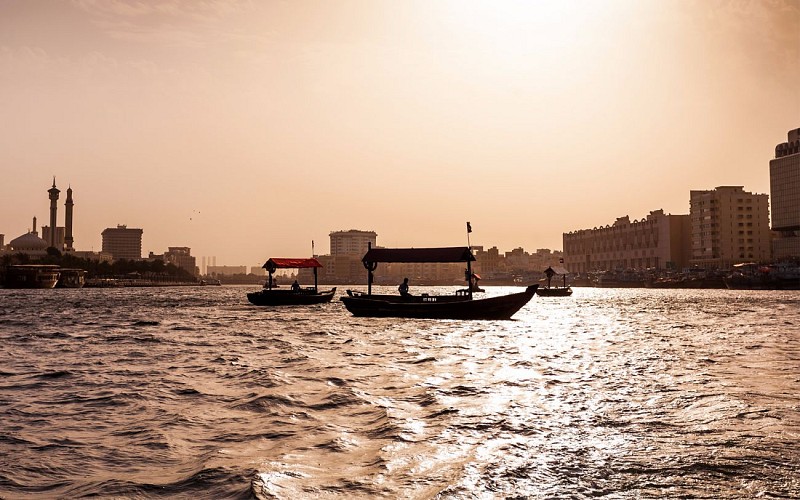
52	236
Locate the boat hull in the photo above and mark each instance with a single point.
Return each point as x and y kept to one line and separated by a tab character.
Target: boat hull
289	297
554	292
433	307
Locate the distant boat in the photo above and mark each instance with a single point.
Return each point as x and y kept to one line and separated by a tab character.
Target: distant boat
461	305
752	276
32	276
294	296
210	282
555	291
71	278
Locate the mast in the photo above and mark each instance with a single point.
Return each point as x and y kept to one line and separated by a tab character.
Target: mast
469	262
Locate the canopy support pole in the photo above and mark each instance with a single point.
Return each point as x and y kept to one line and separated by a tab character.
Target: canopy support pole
315	280
469	278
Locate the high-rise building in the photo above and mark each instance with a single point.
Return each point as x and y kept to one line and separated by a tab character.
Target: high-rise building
181	257
784	184
729	226
660	241
122	242
352	242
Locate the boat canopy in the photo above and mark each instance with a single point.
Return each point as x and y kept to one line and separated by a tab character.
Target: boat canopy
272	264
446	254
553	270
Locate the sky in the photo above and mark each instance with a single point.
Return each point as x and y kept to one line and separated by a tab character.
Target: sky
246	129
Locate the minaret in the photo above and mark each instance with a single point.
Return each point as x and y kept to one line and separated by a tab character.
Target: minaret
68	221
34	226
53	211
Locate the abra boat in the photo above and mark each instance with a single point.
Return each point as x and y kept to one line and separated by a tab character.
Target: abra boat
269	296
461	305
555	291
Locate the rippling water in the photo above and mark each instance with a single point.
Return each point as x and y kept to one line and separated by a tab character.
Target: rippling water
194	393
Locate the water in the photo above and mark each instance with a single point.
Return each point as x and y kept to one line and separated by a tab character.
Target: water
194	393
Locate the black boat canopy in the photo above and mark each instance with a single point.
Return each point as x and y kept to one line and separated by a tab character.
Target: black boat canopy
551	271
446	254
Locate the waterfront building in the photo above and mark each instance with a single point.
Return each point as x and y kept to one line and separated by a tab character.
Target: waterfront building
729	226
180	257
258	270
784	183
489	262
659	241
123	242
352	242
343	265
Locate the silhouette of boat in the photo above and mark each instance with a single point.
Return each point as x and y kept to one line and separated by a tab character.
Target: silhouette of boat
71	278
32	276
555	291
461	305
295	296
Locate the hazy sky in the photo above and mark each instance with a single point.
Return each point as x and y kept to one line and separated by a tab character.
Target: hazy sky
245	129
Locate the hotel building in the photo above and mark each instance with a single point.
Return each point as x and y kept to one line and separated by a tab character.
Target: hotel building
659	241
784	183
122	242
729	226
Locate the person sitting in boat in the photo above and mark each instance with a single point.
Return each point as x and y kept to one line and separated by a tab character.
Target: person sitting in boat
295	286
403	288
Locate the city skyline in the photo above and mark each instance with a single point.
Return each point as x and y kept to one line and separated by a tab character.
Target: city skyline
247	130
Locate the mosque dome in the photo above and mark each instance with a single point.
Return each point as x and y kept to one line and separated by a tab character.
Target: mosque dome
28	242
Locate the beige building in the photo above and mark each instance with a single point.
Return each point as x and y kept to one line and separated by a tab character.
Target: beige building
343	265
352	242
784	183
659	241
122	242
729	226
182	258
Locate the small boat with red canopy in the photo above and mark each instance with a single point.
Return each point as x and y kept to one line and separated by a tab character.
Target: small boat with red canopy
269	296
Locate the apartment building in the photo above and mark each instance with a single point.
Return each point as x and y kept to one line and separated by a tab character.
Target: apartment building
729	226
659	241
352	242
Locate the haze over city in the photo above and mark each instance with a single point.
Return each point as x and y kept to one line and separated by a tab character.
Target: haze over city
245	130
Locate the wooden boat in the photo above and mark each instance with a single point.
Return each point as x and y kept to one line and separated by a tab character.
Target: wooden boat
555	291
32	276
295	296
461	305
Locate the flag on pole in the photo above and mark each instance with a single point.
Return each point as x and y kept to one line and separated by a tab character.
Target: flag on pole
469	227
